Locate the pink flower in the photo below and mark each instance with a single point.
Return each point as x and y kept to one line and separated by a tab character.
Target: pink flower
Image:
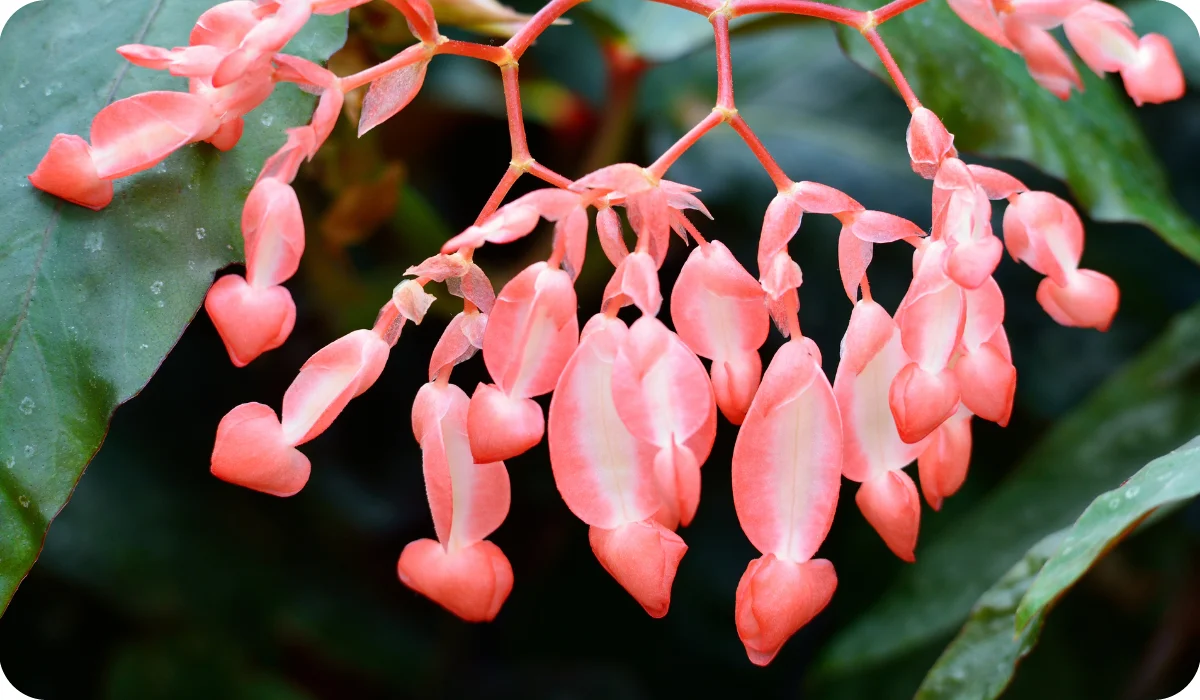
1045	233
787	465
461	571
873	452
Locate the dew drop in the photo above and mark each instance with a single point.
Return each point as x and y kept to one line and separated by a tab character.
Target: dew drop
191	264
24	83
200	232
10	462
143	346
160	303
30	450
156	288
267	119
26	406
23	500
1132	491
1114	502
94	241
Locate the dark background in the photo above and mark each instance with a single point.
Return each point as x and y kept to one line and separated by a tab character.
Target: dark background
159	581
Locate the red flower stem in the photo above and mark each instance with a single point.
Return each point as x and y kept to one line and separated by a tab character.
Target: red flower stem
893	9
866	287
484	52
781	180
906	91
407	57
537	24
806	8
541	172
666	160
720	25
498	194
516	123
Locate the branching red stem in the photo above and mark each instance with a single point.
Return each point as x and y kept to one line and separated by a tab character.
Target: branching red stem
892	9
906	91
781	180
666	160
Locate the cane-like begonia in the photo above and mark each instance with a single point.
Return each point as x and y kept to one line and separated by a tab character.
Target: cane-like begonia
633	415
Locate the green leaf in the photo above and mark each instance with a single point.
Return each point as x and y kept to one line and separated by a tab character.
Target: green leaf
987	99
1005	624
1169	479
979	663
1150	407
91	302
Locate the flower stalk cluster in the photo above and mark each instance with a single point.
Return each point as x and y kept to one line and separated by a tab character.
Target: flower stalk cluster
634	407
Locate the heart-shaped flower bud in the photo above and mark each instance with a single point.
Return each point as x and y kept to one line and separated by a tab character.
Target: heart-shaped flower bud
890	503
642	557
68	171
775	598
472	582
250	320
251	451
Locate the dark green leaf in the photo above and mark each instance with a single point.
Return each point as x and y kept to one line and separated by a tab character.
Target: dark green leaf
91	302
986	97
979	663
1150	407
1169	479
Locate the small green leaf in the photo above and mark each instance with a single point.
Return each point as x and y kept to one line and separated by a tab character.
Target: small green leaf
1169	479
91	302
979	663
1150	407
985	96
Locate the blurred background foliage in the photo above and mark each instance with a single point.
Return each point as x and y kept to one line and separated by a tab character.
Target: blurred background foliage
158	581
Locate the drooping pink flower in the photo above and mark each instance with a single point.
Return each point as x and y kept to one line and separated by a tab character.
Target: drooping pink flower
531	332
931	318
1100	33
663	396
606	474
461	571
942	467
255	314
873	452
787	465
986	377
720	311
256	450
1045	233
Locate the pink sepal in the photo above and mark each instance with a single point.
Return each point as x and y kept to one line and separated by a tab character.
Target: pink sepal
1154	75
1089	299
335	374
251	451
472	582
943	465
67	171
500	426
250	320
138	132
643	557
921	401
775	598
891	504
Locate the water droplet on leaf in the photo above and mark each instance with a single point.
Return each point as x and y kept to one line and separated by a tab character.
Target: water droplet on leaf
156	288
200	232
26	406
